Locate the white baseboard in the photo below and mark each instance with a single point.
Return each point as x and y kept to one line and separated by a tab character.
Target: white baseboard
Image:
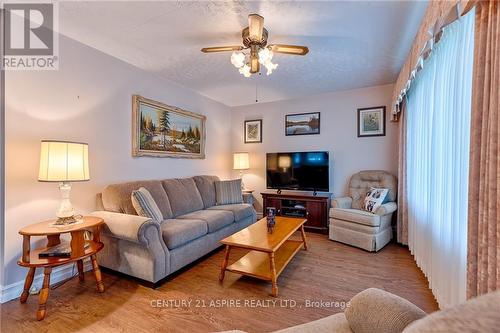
58	274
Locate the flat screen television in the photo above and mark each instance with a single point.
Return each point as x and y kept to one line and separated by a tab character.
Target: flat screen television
306	171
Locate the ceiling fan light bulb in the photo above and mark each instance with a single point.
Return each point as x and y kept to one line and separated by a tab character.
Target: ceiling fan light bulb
265	55
270	67
245	71
238	59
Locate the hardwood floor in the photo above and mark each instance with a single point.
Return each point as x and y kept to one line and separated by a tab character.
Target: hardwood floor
192	301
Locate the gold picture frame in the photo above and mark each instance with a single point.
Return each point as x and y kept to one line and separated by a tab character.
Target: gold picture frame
161	130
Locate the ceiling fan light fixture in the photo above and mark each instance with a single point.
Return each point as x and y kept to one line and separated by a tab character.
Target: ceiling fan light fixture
238	59
245	71
265	55
270	67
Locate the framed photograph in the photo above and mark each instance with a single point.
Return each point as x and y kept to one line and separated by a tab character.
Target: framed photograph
253	131
302	123
161	130
371	121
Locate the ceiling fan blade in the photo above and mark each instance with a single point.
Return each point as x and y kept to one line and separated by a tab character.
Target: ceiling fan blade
289	49
255	26
221	49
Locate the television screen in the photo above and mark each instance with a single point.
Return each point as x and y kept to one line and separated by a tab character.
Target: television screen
306	171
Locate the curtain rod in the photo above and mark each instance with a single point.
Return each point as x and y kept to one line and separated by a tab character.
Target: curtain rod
436	33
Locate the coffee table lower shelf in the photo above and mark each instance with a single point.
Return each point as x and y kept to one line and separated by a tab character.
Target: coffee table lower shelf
257	264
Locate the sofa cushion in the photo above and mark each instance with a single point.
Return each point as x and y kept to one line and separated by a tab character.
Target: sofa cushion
377	311
145	205
480	314
240	211
183	195
206	187
117	197
215	219
177	232
228	192
356	216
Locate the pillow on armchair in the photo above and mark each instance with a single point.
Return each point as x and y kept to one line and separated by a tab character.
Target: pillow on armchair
374	198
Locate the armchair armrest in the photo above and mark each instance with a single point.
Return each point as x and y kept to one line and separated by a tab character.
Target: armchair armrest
128	227
378	311
387	208
343	202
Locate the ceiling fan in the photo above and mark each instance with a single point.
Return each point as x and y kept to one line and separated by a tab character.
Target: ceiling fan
255	39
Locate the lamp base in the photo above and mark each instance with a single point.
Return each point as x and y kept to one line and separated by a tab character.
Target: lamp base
242	184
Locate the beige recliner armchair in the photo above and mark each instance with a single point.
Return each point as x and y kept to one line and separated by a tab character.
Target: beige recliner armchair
352	225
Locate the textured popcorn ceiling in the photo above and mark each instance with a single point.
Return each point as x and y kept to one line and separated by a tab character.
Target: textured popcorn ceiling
352	44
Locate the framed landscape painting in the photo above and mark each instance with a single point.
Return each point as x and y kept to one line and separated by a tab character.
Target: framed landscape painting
161	130
371	121
253	131
302	123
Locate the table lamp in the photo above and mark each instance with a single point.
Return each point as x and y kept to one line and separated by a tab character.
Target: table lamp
64	162
241	162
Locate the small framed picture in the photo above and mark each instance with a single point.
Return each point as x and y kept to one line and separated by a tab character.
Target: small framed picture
253	131
302	123
371	121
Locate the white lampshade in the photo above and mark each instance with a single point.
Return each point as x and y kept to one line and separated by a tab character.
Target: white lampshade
284	161
241	161
63	161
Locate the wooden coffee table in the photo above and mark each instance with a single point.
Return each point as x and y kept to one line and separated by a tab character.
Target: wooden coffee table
270	252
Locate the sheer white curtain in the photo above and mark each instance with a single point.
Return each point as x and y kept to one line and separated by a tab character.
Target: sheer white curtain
438	134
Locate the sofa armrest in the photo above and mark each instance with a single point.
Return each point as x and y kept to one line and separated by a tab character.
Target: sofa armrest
387	208
128	227
343	202
134	246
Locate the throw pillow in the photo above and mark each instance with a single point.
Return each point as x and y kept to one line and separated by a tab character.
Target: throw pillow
228	192
375	197
145	205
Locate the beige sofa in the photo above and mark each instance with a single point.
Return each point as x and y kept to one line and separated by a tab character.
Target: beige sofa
192	226
377	311
352	225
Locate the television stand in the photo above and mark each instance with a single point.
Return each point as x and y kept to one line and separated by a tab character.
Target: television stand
313	207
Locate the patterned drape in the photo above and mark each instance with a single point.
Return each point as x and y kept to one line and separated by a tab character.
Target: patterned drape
402	221
483	271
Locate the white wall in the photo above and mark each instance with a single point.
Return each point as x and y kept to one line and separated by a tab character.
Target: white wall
89	99
348	153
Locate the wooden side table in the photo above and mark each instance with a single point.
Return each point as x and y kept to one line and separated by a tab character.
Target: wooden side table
79	251
248	196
